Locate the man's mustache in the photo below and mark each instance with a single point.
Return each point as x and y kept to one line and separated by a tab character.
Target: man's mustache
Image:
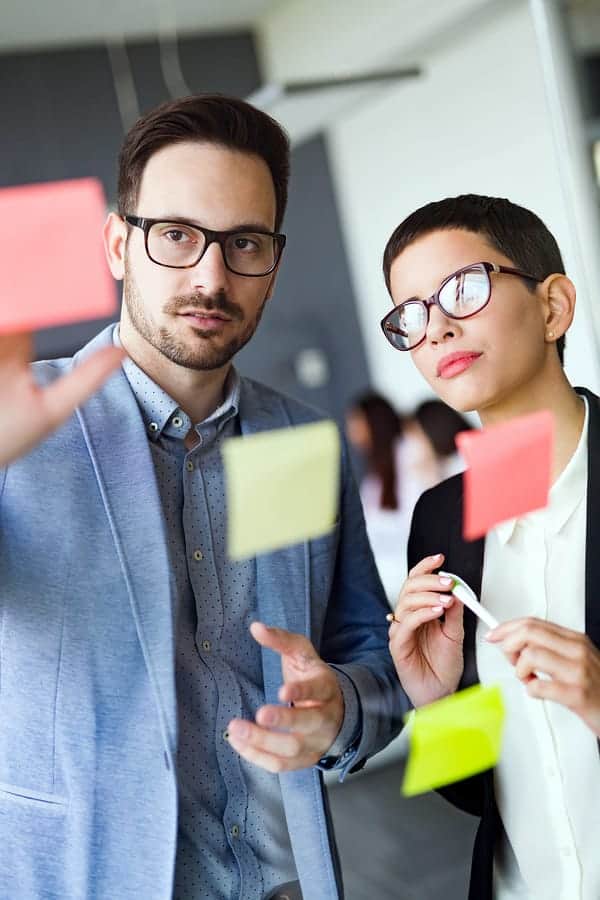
217	303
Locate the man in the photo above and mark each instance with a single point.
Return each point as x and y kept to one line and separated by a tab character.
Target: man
151	745
490	337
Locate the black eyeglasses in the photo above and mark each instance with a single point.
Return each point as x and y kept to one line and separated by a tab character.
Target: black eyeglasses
179	245
460	295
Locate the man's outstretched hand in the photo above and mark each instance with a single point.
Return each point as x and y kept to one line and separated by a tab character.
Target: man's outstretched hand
297	735
28	413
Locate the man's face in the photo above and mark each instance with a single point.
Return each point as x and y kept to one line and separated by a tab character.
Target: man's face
499	351
198	317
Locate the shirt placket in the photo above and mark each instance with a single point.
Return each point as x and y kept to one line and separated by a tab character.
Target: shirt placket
204	577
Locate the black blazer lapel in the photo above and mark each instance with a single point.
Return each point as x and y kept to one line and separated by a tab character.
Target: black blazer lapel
466	559
592	552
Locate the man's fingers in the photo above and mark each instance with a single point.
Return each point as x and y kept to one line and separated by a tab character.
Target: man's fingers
68	392
16	349
320	689
301	720
286	643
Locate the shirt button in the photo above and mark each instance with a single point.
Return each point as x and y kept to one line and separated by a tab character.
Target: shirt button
206	646
189	465
177	421
153	427
198	555
235	831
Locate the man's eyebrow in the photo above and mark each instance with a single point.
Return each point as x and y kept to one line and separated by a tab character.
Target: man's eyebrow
242	226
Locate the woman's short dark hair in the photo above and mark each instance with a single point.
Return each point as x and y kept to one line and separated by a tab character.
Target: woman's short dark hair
513	230
213	118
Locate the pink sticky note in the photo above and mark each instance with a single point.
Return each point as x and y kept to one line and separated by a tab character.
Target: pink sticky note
508	472
52	264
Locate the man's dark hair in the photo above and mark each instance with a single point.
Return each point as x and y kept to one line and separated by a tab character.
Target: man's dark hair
513	230
213	118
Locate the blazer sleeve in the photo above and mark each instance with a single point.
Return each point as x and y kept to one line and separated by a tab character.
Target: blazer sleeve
355	631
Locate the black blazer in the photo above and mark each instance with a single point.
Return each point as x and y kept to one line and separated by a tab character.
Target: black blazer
437	528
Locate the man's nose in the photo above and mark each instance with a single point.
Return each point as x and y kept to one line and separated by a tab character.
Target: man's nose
210	273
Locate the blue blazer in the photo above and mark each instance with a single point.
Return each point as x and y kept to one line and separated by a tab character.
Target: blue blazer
88	725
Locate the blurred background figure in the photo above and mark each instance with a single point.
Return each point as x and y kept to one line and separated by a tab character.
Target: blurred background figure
400	458
440	424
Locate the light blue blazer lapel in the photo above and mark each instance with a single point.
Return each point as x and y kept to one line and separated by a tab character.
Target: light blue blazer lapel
283	598
116	439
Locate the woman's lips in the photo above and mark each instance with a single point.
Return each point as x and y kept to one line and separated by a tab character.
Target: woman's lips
455	363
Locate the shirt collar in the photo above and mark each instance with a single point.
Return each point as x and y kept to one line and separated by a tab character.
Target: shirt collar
565	494
161	414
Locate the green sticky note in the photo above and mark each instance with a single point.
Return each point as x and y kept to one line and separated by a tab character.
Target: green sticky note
282	487
454	738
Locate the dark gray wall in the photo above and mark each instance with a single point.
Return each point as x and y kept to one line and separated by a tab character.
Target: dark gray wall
61	120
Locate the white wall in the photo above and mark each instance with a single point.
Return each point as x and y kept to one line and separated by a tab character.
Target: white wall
477	121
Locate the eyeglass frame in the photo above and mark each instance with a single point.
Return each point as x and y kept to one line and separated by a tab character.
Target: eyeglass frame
211	237
434	299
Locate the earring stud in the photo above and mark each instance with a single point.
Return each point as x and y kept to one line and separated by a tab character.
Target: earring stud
550	334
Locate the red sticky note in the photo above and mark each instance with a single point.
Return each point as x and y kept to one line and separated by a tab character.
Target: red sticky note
508	474
52	264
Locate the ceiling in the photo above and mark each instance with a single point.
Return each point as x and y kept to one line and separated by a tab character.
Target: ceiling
30	24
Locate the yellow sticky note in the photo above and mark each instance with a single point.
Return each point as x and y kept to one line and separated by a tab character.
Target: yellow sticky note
454	738
282	487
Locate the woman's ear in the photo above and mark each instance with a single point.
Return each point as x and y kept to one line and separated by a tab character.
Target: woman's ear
559	305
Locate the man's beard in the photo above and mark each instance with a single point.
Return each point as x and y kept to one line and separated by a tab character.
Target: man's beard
200	353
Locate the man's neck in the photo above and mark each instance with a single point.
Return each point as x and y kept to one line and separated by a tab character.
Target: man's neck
198	392
553	393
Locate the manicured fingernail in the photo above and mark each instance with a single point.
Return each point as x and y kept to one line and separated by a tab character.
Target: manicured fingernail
436	556
446	599
436	609
445	580
490	636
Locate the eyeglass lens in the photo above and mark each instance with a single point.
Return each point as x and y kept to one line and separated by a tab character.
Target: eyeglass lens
462	295
246	253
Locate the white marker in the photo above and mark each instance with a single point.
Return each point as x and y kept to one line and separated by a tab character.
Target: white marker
466	595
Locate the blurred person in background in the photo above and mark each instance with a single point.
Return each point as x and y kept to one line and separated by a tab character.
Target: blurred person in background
402	458
440	424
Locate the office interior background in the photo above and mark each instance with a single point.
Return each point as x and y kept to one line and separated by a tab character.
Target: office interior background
498	97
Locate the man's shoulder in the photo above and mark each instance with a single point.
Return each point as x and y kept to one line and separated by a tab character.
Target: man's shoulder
256	396
47	370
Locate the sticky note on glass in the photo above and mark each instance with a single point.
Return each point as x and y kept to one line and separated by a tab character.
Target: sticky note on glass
454	738
509	470
282	487
51	255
